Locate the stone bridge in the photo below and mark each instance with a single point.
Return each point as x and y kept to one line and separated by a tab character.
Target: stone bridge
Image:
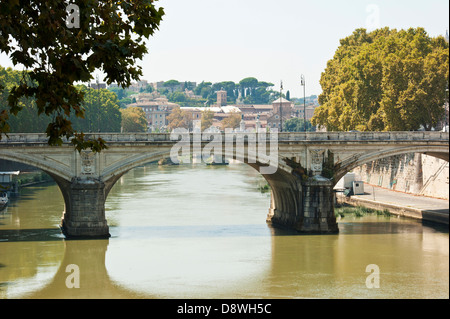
301	168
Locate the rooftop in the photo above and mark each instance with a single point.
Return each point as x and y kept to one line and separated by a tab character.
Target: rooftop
283	100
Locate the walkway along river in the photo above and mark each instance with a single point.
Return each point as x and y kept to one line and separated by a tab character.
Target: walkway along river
197	231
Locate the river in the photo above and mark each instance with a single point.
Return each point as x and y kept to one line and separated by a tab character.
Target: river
196	231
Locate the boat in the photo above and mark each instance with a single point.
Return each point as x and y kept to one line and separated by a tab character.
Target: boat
3	201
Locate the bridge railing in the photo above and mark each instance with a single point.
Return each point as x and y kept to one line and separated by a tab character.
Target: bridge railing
365	136
281	137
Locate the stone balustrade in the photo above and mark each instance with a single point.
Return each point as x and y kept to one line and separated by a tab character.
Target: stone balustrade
281	137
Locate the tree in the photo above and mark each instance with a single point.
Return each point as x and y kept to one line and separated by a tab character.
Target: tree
207	119
26	121
384	80
188	85
120	92
248	85
179	119
133	120
171	84
228	86
101	111
296	124
148	89
100	107
254	91
232	121
203	89
56	54
177	97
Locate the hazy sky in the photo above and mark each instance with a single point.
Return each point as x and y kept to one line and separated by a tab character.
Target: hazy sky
228	40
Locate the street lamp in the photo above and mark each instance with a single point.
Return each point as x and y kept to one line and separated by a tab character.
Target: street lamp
281	108
302	83
446	110
98	103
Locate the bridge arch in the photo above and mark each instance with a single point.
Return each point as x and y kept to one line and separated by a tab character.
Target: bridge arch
284	186
441	152
41	162
61	177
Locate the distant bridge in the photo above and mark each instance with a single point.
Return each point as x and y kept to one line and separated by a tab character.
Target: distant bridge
301	168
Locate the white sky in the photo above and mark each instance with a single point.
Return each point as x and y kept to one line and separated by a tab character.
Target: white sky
228	40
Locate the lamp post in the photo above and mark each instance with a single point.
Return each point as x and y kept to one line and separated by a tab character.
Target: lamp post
281	108
98	103
302	82
446	121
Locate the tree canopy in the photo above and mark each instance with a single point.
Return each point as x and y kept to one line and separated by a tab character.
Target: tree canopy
179	119
232	120
384	80
101	111
207	119
133	120
250	89
296	124
100	108
109	36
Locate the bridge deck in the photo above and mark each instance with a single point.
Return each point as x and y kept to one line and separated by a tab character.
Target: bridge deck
33	138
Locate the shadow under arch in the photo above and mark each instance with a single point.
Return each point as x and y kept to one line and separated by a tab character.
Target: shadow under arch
60	177
46	166
441	152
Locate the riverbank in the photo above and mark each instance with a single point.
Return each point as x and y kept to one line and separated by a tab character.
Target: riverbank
399	203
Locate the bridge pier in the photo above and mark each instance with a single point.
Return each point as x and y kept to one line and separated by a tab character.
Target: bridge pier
307	207
318	207
84	215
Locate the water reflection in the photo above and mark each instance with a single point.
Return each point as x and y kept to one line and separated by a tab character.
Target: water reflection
195	232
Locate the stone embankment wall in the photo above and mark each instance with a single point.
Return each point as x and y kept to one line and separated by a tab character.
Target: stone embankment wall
410	173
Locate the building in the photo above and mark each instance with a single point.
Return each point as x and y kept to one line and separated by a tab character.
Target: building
135	87
156	107
282	111
220	113
275	120
138	86
190	94
256	115
282	105
253	115
221	98
299	111
98	85
7	183
180	87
